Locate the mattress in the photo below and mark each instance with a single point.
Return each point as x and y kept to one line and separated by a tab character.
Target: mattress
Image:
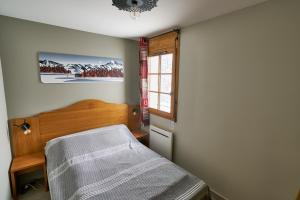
109	163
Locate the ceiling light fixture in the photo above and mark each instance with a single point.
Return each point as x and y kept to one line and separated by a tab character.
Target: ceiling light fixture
135	7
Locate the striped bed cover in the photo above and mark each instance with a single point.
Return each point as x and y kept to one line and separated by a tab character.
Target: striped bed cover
109	163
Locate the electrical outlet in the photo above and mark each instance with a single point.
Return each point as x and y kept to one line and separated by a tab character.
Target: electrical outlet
172	125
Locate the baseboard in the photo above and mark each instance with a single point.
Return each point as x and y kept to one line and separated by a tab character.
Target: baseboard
216	196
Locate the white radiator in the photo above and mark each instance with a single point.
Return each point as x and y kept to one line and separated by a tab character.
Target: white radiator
161	142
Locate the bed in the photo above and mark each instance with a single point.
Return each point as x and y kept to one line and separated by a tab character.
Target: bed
91	154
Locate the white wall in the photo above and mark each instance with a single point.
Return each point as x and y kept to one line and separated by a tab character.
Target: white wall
239	102
20	42
5	154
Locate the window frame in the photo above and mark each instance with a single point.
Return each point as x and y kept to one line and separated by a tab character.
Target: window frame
174	84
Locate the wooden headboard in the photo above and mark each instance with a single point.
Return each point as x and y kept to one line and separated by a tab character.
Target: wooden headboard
83	115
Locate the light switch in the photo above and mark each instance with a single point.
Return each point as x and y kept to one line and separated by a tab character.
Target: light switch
172	125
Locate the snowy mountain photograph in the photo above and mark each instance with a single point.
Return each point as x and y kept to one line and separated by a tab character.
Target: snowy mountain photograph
68	68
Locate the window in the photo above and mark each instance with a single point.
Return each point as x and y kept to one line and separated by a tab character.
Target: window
160	71
162	79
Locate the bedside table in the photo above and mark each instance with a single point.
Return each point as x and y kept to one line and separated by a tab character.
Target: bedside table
141	136
25	164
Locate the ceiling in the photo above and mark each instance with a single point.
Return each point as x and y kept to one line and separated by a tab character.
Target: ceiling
99	16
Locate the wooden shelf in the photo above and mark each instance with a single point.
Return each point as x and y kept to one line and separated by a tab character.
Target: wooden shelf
142	136
27	161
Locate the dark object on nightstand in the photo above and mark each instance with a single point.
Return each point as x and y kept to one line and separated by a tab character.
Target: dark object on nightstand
141	136
25	164
35	184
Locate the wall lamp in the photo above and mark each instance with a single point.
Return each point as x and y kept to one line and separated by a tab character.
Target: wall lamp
25	126
135	111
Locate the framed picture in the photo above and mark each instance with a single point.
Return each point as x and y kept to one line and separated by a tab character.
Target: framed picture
68	68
